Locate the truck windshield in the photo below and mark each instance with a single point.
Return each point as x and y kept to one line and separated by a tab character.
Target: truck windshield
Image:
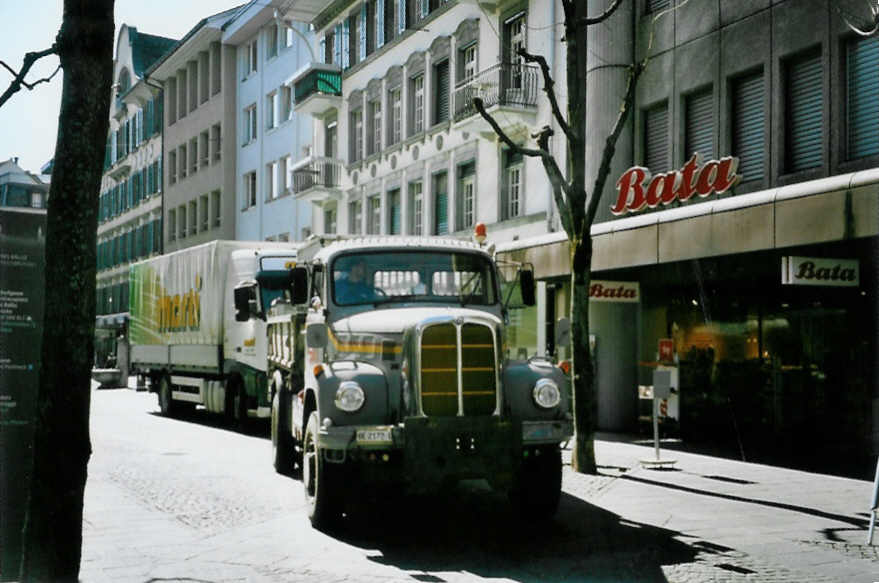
430	276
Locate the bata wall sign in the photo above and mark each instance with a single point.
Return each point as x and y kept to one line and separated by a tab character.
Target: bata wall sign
636	188
820	271
614	291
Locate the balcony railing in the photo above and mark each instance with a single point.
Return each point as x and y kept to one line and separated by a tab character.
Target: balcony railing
503	84
317	172
318	80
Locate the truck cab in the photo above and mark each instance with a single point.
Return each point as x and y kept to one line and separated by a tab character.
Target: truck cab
398	377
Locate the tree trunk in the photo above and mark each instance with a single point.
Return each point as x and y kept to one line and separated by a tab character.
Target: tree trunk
583	456
53	527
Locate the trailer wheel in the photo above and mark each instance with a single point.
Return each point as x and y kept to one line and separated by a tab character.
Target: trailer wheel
166	403
282	440
321	489
538	484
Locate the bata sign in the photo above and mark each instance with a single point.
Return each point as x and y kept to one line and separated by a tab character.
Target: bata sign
637	189
614	291
820	271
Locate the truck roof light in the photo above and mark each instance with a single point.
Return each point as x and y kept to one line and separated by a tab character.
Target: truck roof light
479	232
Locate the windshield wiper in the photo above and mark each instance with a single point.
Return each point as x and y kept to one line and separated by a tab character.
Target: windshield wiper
389	299
466	299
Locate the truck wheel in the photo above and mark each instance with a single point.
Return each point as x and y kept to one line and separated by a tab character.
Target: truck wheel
166	403
282	440
538	485
235	410
321	491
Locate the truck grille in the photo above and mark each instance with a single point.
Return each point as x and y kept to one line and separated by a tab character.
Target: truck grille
458	383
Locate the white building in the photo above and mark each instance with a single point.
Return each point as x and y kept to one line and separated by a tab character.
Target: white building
398	147
271	137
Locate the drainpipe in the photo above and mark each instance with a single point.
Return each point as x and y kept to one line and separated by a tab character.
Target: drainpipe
161	89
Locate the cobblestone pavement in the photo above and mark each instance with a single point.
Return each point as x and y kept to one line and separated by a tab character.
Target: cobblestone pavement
187	500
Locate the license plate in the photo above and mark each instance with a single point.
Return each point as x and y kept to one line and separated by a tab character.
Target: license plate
379	435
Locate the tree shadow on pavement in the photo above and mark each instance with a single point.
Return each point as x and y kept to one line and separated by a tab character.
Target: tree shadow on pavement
476	532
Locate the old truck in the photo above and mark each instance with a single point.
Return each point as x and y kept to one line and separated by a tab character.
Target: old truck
186	336
387	367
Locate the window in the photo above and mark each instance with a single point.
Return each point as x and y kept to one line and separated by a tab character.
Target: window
204	67
394	227
441	95
330	221
203	149
271	187
394	122
181	157
440	204
656	5
656	154
284	180
36	200
172	166
215	68
182	93
804	99
374	218
417	104
699	131
271	41
215	206
286	103
193	155
249	190
181	221
468	62
511	192
329	44
355	217
416	211
193	217
390	19
375	137
271	110
216	141
356	147
287	37
193	85
171	91
203	212
514	31
862	97
250	58
466	196
748	125
331	145
250	127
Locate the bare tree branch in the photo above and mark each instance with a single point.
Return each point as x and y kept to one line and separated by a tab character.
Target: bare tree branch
610	143
480	107
601	17
548	85
874	11
18	77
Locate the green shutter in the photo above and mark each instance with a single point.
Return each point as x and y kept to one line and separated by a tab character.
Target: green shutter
805	115
862	105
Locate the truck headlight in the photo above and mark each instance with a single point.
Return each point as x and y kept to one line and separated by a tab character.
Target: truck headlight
546	394
349	397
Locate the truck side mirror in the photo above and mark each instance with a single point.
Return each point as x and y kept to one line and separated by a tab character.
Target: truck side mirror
526	281
317	335
298	285
245	301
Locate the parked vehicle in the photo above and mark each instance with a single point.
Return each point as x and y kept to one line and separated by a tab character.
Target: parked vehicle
184	334
387	371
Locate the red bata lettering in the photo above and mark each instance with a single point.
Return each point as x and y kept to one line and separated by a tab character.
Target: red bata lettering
715	176
596	290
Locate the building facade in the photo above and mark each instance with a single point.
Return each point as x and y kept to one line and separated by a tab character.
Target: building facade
760	294
130	207
199	81
398	147
272	138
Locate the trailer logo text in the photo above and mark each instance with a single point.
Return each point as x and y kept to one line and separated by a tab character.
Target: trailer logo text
180	312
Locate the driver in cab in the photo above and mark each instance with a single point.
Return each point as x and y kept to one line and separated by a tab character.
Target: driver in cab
352	286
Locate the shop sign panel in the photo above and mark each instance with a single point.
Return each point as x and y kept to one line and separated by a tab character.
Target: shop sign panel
820	271
614	291
637	188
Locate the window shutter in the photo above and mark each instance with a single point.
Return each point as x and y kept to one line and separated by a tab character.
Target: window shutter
423	8
380	17
148	119
323	49
748	122
657	5
337	44
362	32
401	23
159	177
442	92
139	126
346	49
805	120
862	107
700	125
656	139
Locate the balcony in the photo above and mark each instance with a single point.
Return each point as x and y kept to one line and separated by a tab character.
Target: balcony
317	89
509	93
317	180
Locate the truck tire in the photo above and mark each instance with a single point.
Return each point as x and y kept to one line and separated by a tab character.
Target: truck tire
282	440
538	486
167	406
235	410
321	490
